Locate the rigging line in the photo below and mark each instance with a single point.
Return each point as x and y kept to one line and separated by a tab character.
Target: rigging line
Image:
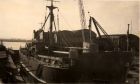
54	26
55	33
100	27
45	15
106	35
73	34
64	40
65	21
69	28
45	21
96	27
58	18
90	29
43	26
57	29
67	41
60	39
104	32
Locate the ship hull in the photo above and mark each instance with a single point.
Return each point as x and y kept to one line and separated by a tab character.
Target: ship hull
89	67
57	75
106	66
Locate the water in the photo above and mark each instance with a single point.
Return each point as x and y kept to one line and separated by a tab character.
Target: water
14	45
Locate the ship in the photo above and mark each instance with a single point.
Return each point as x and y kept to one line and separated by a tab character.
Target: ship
78	56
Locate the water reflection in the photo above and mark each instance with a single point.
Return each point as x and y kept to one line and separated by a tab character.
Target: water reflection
14	45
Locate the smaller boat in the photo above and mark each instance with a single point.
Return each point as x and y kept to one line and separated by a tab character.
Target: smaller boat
4	71
8	70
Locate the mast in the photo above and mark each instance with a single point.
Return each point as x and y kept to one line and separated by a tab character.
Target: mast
51	8
51	14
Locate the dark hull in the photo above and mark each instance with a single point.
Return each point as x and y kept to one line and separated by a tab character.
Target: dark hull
56	75
90	67
106	66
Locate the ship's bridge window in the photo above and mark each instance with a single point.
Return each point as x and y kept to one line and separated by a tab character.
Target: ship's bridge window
41	35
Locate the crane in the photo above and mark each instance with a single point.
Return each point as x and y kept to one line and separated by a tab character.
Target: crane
82	17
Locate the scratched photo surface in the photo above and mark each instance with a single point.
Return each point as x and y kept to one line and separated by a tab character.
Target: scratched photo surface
27	48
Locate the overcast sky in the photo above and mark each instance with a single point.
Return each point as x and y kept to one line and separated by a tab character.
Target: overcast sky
18	18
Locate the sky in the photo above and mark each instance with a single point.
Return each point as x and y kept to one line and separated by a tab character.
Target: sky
18	18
